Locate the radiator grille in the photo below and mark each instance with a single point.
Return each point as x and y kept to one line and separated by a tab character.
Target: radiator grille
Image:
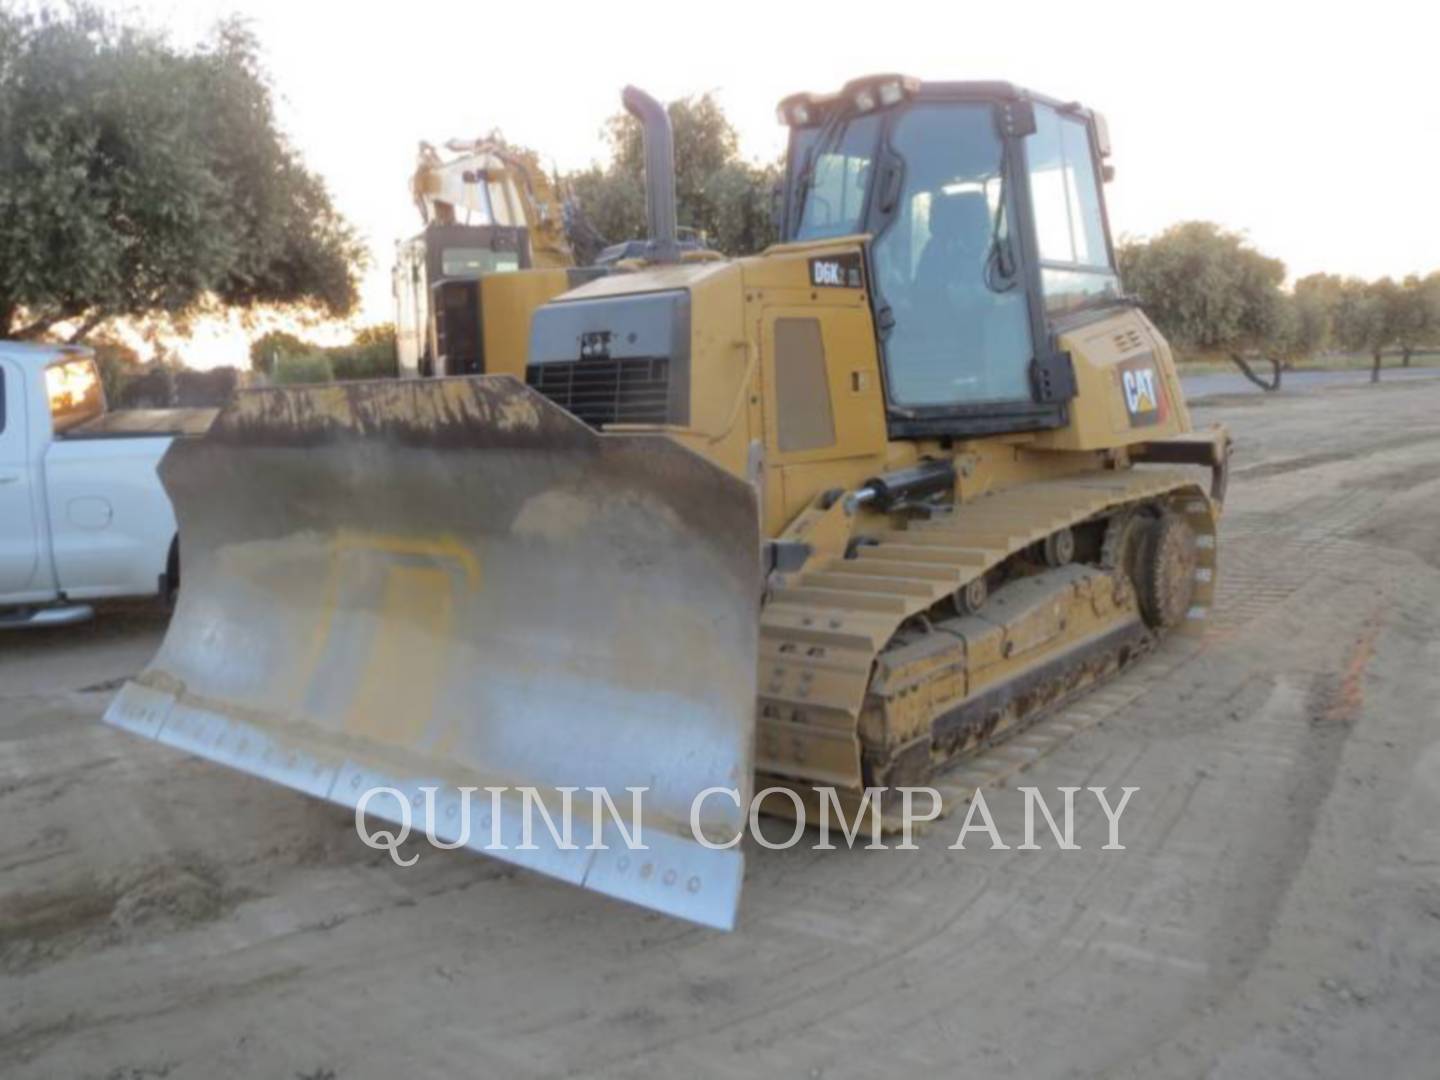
631	391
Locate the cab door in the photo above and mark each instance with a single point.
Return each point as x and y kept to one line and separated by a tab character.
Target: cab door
19	535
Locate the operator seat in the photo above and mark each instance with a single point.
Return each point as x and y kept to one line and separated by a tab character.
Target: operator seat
953	305
959	241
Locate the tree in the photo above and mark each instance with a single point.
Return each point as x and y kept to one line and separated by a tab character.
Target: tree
376	334
1312	322
303	369
1208	289
1316	297
610	207
1417	314
371	355
1430	290
1366	318
140	180
271	347
118	364
717	192
741	193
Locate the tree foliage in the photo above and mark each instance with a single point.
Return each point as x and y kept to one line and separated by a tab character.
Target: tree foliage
717	192
138	179
371	355
305	368
118	364
1210	291
1366	318
269	348
1206	286
1417	314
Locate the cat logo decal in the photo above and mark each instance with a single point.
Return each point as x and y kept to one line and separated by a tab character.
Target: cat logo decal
1144	398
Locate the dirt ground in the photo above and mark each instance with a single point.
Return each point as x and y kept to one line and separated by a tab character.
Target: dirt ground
1276	911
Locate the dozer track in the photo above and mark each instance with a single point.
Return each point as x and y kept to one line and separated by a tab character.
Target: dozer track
869	676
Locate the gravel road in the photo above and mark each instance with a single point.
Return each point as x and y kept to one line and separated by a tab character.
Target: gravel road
1276	911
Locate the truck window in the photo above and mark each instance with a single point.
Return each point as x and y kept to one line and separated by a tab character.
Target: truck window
76	396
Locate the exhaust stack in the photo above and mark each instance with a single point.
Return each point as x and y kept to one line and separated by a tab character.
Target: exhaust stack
659	173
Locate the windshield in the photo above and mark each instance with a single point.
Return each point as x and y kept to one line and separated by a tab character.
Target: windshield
472	262
832	193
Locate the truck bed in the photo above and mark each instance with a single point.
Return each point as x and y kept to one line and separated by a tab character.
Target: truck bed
144	423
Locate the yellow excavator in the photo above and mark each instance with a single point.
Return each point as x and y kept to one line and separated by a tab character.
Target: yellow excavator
835	516
488	210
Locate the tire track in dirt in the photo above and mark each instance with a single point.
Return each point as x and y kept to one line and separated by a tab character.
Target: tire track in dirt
1321	458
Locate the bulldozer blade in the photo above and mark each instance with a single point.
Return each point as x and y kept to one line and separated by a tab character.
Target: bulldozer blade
451	584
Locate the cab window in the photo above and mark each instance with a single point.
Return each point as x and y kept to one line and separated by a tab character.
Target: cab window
73	387
834	199
472	262
1075	265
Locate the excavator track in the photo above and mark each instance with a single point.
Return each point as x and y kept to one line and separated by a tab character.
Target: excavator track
869	676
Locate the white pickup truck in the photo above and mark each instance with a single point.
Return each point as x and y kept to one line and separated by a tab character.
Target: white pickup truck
82	513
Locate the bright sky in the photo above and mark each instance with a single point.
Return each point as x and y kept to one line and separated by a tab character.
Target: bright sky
1314	127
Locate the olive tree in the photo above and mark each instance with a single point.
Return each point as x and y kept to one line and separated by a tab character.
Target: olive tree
1365	317
1417	314
1209	290
141	180
717	192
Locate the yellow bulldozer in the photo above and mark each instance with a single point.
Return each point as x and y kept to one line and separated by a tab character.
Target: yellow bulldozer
835	516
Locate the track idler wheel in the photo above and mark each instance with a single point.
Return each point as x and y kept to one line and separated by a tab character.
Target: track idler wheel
1059	548
971	597
1163	569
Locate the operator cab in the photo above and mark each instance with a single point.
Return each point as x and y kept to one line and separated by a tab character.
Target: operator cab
986	225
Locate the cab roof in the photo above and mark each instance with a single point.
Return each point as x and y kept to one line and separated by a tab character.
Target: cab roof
822	104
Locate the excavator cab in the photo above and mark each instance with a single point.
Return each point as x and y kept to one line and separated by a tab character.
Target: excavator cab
488	210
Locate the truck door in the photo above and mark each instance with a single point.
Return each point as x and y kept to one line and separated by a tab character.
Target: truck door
19	537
